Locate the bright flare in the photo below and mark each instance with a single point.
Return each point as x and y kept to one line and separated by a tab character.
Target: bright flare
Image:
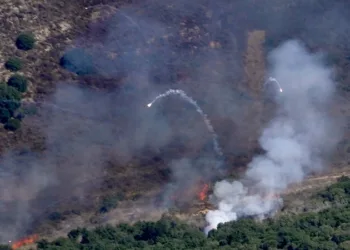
149	105
271	79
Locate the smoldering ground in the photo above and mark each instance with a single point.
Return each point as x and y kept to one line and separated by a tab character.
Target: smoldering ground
152	47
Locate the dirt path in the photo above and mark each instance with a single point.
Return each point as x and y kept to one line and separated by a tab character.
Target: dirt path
255	61
317	182
254	73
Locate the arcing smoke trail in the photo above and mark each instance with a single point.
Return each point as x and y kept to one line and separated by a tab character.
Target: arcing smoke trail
295	141
183	95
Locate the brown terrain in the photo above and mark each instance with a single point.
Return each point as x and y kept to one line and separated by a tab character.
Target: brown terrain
254	69
56	25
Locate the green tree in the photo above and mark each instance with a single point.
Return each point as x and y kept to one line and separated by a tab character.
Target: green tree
5	247
19	82
13	64
9	93
9	98
13	124
25	41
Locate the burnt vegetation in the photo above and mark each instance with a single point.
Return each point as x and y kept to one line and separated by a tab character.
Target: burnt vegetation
328	229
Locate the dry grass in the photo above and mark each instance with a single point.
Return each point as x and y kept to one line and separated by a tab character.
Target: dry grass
254	69
255	61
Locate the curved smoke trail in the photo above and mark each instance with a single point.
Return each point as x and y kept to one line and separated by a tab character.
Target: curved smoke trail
207	122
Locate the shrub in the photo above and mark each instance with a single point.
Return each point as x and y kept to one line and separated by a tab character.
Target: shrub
9	98
4	115
9	93
13	124
25	41
19	82
20	116
74	234
13	64
78	61
43	244
5	247
55	216
10	105
108	203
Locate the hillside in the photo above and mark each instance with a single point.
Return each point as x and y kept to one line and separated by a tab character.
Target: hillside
327	229
80	148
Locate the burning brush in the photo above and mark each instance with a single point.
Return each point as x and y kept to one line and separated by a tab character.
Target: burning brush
203	194
187	196
25	241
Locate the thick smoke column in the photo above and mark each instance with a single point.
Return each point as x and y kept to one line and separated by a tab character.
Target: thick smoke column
180	92
294	141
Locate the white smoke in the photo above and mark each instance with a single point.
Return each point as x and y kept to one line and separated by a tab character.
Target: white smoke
295	141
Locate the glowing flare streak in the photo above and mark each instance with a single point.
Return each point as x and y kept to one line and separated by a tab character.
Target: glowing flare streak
271	79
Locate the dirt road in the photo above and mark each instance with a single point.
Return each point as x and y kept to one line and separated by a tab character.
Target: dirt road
317	182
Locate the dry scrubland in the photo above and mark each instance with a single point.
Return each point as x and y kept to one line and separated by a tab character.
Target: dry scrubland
56	26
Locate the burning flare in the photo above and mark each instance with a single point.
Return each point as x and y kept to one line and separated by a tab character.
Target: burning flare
271	79
25	241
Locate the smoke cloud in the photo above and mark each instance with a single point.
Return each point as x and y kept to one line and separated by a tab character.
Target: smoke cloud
296	141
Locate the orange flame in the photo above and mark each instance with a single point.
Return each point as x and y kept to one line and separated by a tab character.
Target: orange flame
25	241
204	192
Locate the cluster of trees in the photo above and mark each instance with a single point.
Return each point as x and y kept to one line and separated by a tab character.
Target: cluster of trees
328	229
11	91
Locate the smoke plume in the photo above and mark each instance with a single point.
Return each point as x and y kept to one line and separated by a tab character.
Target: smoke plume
296	141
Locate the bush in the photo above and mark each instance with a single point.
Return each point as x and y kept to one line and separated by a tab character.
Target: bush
78	61
55	216
20	116
108	203
5	247
19	82
9	93
13	124
9	98
4	115
74	234
25	41
13	64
